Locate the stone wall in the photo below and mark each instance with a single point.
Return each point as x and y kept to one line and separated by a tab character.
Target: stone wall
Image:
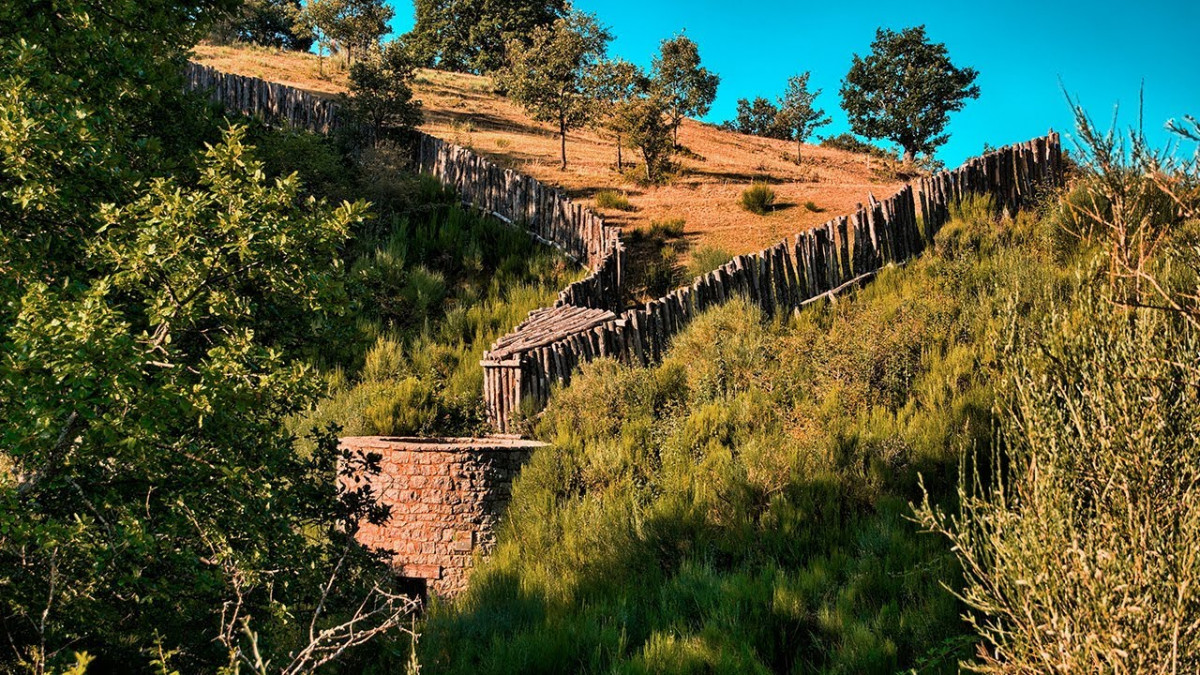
447	497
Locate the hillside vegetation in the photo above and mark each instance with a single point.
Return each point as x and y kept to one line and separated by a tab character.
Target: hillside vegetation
744	507
465	110
987	458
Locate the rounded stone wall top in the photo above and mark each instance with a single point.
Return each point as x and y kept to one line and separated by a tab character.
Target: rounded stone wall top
411	444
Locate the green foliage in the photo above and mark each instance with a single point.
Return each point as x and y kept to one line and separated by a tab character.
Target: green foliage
758	118
1097	499
646	130
350	25
381	98
849	143
707	259
796	112
812	206
417	337
131	395
687	88
270	23
1079	540
549	76
905	90
611	199
64	145
614	84
759	198
473	35
157	308
671	228
317	160
743	505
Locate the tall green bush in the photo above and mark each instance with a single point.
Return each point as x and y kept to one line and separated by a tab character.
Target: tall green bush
1081	553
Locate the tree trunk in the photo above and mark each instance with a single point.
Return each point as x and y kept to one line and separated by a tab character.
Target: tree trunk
562	134
910	157
620	165
799	147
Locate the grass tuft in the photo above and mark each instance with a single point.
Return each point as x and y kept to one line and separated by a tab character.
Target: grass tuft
611	199
759	198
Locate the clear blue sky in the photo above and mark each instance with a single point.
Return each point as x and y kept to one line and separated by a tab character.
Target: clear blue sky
1101	52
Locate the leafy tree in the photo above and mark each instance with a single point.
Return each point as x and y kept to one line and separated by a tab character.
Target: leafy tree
647	129
316	18
271	23
381	97
905	89
615	83
797	114
549	77
473	35
65	145
756	118
352	25
687	88
156	308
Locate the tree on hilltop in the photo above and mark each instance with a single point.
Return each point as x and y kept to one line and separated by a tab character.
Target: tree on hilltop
796	112
352	25
550	76
473	35
646	126
270	23
687	88
757	118
905	89
615	84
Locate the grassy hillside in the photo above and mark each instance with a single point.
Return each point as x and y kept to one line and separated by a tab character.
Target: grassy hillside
431	286
744	507
463	109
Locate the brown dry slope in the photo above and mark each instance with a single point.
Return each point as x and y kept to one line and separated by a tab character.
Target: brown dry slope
463	109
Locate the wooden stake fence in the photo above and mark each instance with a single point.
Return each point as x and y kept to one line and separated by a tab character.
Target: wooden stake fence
543	351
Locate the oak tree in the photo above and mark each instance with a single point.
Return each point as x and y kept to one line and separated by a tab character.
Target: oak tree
550	76
797	116
615	83
473	35
905	90
757	118
647	129
687	88
381	97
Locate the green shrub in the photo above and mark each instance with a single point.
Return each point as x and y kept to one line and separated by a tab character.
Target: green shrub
611	199
759	198
667	229
850	143
812	206
1099	499
401	408
707	259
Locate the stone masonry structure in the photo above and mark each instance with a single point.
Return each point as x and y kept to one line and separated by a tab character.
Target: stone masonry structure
446	496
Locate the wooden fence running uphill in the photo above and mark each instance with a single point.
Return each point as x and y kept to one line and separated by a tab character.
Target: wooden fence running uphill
524	366
543	351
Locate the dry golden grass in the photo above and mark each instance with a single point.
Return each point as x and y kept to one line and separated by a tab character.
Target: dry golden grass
463	109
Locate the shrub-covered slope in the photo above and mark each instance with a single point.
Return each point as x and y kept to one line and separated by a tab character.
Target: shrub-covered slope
745	506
